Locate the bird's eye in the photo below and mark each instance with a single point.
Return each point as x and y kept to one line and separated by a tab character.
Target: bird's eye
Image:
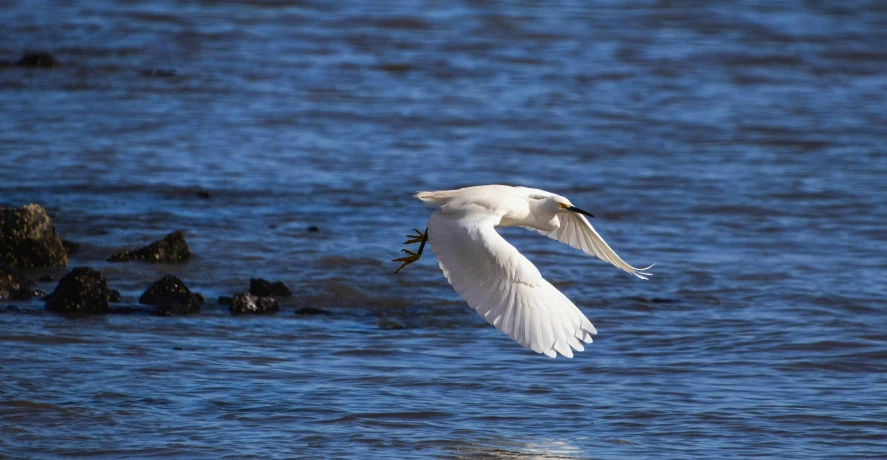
562	205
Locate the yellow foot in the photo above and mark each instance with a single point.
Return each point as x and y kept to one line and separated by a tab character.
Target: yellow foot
417	238
412	257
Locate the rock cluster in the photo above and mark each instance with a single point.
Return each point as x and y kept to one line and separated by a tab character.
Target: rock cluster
28	239
261	298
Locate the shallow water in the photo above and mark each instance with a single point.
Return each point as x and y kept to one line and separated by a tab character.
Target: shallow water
740	147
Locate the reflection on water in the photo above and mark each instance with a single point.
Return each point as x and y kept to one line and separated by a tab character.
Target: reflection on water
543	449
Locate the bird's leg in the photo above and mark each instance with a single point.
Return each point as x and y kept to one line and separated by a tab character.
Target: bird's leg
411	256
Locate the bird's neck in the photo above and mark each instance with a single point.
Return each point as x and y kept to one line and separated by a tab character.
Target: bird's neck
531	216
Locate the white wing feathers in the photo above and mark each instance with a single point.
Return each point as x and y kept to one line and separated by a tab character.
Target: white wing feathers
576	231
504	287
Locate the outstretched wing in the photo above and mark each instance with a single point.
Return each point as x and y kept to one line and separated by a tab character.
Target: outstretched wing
576	231
504	287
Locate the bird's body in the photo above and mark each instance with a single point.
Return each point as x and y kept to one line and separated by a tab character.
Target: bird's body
495	279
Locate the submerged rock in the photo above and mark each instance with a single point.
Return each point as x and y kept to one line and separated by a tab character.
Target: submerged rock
14	285
83	290
263	288
158	73
246	303
662	300
114	296
308	311
38	59
225	300
170	296
130	309
172	248
28	238
387	323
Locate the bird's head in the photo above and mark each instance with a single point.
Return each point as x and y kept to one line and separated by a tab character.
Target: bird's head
548	208
564	204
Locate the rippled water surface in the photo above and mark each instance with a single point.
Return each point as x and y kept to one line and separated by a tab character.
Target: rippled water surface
740	146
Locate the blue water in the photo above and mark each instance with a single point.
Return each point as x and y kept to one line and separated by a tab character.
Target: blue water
740	147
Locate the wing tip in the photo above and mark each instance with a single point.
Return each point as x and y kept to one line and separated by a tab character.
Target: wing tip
576	344
562	347
641	272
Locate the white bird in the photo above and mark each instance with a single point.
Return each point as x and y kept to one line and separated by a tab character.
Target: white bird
495	279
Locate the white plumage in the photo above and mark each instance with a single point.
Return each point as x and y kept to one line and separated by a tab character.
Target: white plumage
495	279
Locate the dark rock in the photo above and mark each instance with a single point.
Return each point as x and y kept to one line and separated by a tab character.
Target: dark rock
83	290
203	194
263	288
46	279
313	228
39	59
28	238
13	285
246	303
312	311
260	287
70	246
170	296
114	296
225	300
172	248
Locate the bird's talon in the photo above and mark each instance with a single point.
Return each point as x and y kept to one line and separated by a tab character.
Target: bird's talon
417	238
406	260
411	256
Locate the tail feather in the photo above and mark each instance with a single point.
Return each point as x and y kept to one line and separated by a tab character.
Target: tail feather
436	197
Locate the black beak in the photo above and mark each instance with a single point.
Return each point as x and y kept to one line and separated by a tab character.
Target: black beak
575	209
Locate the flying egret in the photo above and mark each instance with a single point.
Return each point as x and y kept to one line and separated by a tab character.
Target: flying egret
494	278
